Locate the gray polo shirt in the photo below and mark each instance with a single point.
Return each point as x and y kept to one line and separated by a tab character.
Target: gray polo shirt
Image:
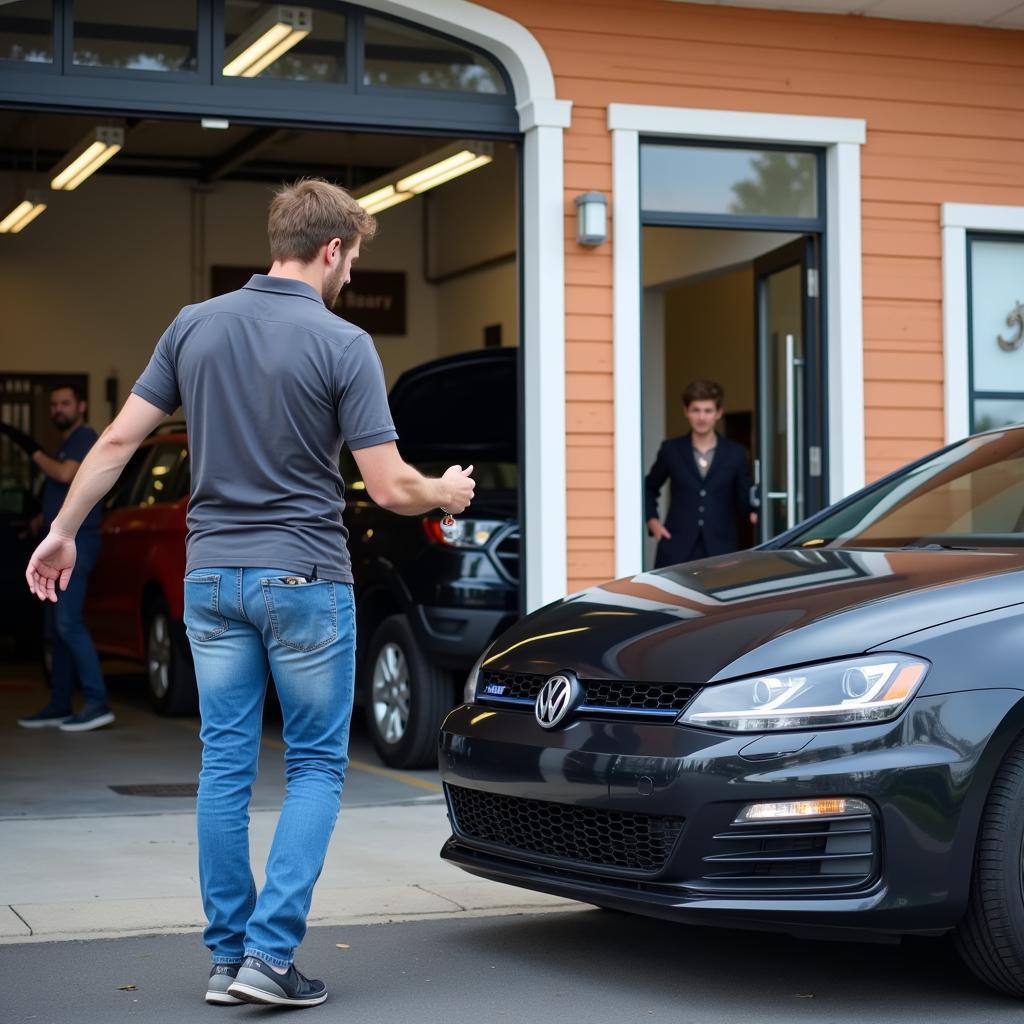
271	383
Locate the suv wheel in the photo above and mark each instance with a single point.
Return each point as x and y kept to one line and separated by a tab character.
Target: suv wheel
990	938
405	697
169	669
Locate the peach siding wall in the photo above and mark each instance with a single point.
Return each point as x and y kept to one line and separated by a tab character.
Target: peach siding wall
943	106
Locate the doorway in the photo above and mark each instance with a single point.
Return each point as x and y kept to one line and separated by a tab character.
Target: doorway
742	308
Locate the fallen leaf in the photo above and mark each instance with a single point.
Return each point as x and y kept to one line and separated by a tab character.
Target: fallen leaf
127	988
342	945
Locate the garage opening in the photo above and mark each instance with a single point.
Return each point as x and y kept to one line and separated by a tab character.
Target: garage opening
178	213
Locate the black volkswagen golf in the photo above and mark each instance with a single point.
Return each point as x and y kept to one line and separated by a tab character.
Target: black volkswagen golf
824	735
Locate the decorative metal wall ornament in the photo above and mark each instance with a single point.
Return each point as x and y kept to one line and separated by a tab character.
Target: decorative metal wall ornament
1015	318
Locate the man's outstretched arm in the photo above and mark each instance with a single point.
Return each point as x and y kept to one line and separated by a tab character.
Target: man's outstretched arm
52	562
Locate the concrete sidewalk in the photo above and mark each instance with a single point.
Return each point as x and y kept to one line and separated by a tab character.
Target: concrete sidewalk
76	878
82	860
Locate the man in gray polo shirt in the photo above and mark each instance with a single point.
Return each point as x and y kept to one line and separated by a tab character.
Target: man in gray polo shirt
271	383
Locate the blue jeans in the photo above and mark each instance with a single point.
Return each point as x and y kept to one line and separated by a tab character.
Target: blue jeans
243	625
74	654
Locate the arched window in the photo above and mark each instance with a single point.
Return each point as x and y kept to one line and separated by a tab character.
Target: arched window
320	61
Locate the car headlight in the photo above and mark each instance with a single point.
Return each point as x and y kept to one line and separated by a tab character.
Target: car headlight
469	693
468	533
855	691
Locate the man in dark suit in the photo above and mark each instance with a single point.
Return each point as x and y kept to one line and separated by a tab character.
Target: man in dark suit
710	484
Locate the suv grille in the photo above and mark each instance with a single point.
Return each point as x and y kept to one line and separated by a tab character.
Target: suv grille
797	856
506	551
663	699
589	835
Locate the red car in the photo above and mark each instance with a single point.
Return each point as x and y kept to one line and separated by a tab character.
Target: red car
135	602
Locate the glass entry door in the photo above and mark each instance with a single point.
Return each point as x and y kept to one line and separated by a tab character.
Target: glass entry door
788	459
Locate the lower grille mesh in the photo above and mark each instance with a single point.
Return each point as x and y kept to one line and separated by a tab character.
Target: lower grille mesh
808	856
615	839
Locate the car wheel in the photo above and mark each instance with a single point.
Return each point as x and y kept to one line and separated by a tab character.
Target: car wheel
990	939
169	669
405	697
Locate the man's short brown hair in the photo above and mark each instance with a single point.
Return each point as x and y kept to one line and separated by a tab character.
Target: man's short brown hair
306	215
703	391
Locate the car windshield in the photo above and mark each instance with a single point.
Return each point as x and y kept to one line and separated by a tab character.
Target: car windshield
971	495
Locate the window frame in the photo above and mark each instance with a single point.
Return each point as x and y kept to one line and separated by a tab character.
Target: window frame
206	92
973	395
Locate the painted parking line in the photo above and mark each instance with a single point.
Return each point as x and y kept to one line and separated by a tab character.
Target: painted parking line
361	766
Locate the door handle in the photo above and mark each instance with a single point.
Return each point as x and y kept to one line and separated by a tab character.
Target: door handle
790	433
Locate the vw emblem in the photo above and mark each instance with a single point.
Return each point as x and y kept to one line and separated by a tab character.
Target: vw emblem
558	696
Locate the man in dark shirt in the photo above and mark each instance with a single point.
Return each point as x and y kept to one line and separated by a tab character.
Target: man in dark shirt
74	654
271	384
710	484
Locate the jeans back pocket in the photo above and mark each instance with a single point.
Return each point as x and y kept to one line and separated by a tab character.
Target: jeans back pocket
303	616
203	620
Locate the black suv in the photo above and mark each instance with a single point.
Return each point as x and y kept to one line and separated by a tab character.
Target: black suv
427	606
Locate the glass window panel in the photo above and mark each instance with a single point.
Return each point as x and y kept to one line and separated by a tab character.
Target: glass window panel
26	31
400	57
997	292
159	35
743	182
316	56
992	413
157	483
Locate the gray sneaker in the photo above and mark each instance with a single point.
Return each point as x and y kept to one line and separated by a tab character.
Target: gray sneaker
88	719
221	977
257	982
48	718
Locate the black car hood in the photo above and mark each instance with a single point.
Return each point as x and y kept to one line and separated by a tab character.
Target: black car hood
753	611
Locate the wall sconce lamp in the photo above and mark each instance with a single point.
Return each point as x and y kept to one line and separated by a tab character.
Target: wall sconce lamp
591	218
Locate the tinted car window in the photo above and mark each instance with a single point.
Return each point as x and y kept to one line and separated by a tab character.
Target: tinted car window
122	492
157	477
971	494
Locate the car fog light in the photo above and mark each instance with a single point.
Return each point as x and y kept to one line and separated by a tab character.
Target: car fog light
827	807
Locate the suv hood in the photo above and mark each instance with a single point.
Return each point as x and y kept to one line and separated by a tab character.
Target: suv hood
754	611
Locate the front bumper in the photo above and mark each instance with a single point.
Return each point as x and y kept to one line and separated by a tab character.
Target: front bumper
924	776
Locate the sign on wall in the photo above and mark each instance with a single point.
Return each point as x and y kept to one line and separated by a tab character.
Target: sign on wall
373	300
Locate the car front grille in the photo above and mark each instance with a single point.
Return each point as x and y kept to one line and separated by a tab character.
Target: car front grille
506	551
621	840
603	695
830	855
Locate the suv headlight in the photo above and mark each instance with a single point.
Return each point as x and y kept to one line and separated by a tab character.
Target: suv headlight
854	691
469	693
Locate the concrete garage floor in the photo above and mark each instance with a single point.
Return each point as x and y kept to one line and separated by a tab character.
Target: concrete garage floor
50	774
81	860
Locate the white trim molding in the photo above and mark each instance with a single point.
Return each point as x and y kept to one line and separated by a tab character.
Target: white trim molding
841	138
542	119
957	220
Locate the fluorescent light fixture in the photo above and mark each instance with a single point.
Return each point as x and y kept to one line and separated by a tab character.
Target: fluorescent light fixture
23	214
216	123
426	173
88	156
382	199
267	39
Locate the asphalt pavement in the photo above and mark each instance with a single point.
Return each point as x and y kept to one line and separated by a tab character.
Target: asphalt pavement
581	967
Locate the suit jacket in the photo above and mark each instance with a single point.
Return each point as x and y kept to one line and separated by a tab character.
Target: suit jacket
701	508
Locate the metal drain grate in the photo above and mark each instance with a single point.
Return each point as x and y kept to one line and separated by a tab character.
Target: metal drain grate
158	789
